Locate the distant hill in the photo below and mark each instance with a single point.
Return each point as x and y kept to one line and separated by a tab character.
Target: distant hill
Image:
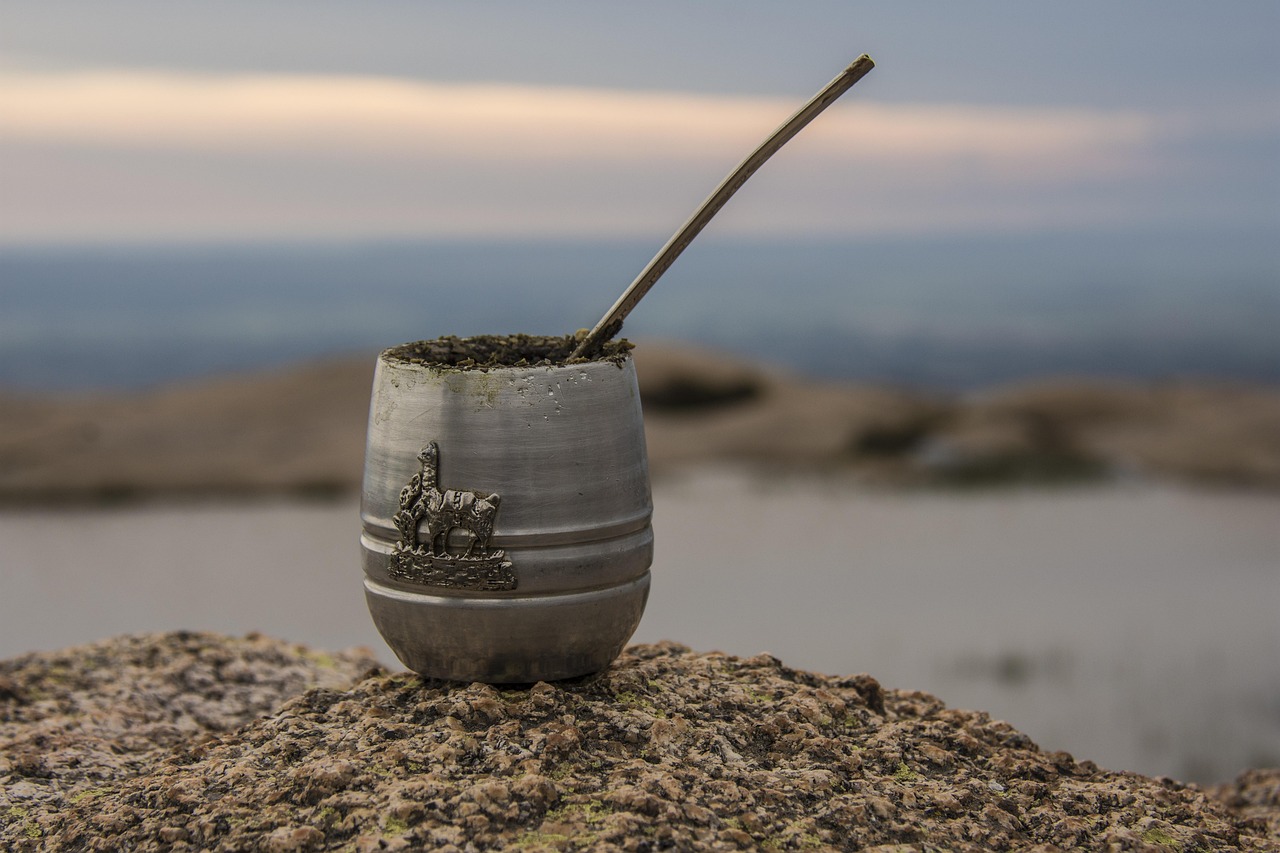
300	431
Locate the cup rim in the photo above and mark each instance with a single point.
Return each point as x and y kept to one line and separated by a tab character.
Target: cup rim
487	353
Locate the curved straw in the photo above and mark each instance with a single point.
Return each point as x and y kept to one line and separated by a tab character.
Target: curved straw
611	322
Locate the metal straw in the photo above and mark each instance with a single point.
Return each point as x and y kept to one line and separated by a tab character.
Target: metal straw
611	322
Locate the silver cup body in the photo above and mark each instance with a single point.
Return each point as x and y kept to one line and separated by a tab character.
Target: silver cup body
506	517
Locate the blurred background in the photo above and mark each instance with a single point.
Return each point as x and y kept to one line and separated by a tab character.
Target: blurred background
1002	322
1070	188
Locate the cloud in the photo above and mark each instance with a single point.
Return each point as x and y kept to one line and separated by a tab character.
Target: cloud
138	155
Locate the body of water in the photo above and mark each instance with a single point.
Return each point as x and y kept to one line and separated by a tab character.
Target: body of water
1136	626
953	313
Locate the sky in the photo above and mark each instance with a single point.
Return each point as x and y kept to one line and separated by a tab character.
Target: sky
151	122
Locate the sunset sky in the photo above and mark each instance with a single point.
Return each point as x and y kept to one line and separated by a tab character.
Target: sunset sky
242	121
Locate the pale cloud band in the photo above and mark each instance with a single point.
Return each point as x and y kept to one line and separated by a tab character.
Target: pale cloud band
160	156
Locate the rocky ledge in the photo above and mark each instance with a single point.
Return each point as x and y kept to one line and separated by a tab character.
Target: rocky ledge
195	741
301	432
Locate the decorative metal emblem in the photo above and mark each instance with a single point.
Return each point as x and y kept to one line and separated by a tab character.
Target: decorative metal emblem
459	524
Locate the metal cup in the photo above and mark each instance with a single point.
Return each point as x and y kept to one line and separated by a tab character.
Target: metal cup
506	514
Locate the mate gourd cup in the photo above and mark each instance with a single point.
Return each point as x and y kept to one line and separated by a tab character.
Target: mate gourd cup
506	496
506	508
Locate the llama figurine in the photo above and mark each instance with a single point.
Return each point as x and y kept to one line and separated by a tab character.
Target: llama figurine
446	511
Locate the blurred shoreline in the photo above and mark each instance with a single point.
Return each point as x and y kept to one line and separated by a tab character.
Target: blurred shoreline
298	432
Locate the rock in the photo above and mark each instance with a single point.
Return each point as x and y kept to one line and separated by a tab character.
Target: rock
682	379
296	431
73	723
667	749
301	430
1256	796
1213	433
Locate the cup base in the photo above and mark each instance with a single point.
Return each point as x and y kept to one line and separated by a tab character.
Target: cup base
505	640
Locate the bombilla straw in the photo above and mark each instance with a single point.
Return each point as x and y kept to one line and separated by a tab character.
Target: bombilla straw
611	323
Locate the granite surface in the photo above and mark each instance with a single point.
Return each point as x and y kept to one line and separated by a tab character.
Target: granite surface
190	741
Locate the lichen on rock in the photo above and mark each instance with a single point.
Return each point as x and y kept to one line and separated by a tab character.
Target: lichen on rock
76	723
667	749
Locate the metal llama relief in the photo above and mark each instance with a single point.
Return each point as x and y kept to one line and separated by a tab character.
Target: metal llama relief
459	524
